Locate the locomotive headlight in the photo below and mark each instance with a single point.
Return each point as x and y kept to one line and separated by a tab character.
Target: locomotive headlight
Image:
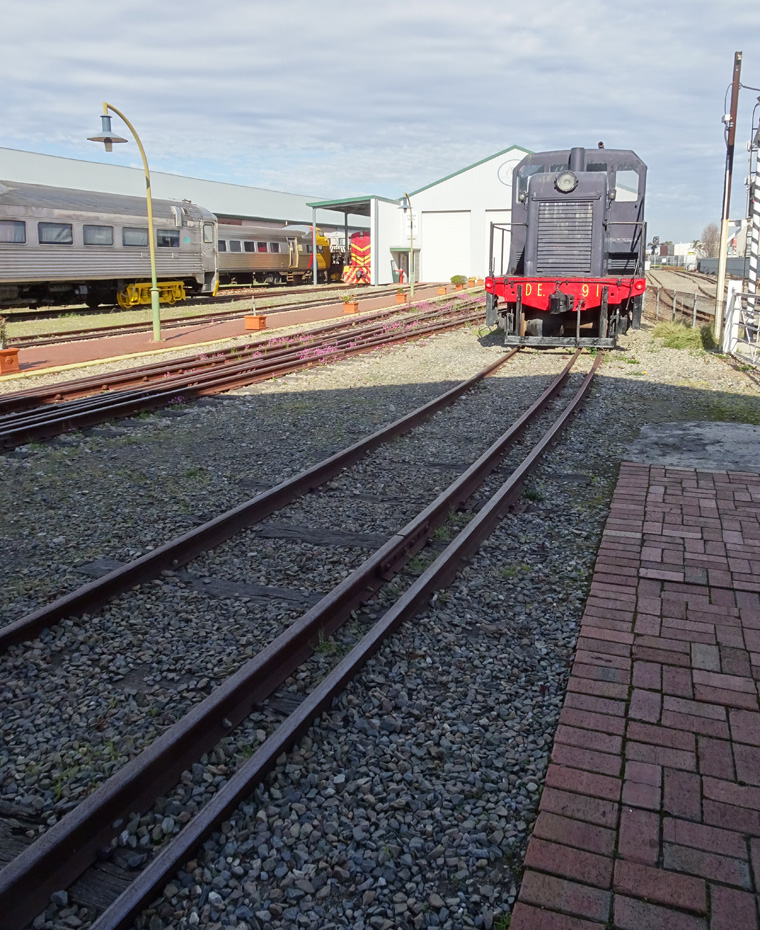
566	182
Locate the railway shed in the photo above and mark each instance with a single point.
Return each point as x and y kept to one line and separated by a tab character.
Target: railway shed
450	226
230	202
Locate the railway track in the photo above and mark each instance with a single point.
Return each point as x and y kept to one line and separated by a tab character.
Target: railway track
178	322
687	308
40	413
75	841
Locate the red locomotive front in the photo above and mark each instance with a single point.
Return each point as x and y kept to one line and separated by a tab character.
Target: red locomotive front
575	274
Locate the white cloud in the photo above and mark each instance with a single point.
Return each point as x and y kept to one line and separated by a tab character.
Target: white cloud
354	98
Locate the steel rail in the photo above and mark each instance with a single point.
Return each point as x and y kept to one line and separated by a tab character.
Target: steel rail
101	388
45	422
71	845
210	534
120	914
49	394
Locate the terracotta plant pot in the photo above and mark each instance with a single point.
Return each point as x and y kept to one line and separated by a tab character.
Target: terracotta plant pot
8	361
480	281
471	282
400	298
349	307
441	290
255	322
459	287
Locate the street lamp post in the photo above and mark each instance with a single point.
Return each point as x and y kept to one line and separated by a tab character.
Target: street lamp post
108	138
408	206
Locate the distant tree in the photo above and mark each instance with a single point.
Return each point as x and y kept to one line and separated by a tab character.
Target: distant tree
698	247
711	240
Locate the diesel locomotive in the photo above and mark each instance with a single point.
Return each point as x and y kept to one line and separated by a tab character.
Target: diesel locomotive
575	267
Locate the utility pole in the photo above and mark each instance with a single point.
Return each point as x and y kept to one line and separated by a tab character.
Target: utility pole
730	118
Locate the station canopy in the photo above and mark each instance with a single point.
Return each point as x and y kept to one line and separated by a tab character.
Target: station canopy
358	206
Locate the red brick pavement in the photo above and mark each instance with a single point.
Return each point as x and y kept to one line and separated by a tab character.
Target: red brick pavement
650	818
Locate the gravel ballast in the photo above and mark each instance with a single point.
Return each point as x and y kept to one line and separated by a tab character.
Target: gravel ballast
410	803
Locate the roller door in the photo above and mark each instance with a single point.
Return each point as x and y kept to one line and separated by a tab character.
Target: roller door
445	245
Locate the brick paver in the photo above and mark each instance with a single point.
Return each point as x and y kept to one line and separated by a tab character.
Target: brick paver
650	817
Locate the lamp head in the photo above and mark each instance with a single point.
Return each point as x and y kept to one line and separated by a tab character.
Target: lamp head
405	204
106	135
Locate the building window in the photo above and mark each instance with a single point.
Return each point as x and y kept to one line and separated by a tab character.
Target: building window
274	247
261	247
167	238
208	232
12	231
55	233
222	245
98	235
235	245
134	236
249	246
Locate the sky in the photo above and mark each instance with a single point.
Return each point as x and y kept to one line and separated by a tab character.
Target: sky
339	99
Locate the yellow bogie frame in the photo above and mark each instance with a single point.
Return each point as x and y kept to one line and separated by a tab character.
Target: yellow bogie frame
169	292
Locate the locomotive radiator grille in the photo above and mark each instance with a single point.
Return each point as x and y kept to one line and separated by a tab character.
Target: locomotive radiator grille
564	237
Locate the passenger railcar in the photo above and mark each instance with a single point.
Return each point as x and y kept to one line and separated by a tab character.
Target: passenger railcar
271	255
575	273
62	246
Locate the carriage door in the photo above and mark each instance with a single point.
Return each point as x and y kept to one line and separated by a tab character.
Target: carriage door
292	253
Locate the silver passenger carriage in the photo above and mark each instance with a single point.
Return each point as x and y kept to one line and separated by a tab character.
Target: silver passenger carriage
64	246
270	254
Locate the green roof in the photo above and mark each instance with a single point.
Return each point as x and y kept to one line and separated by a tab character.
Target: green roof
482	161
359	206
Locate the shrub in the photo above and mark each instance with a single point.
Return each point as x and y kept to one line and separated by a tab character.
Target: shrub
458	279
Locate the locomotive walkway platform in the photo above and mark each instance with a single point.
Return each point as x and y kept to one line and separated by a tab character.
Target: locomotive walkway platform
83	352
650	817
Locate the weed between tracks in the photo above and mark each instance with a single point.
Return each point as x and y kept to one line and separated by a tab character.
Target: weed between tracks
680	336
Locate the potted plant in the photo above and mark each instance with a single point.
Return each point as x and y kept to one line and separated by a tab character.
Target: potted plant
8	357
401	296
350	303
442	289
459	281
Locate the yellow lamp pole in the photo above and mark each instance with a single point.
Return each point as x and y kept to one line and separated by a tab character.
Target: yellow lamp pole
108	138
408	205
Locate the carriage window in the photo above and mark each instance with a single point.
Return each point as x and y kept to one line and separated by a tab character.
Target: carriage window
307	248
261	247
274	246
222	245
55	233
98	235
132	235
167	238
626	185
235	245
12	231
208	232
249	246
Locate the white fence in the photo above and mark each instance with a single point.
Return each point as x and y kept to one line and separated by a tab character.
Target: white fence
741	336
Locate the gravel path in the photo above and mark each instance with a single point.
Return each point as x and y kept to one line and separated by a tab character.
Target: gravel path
410	803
